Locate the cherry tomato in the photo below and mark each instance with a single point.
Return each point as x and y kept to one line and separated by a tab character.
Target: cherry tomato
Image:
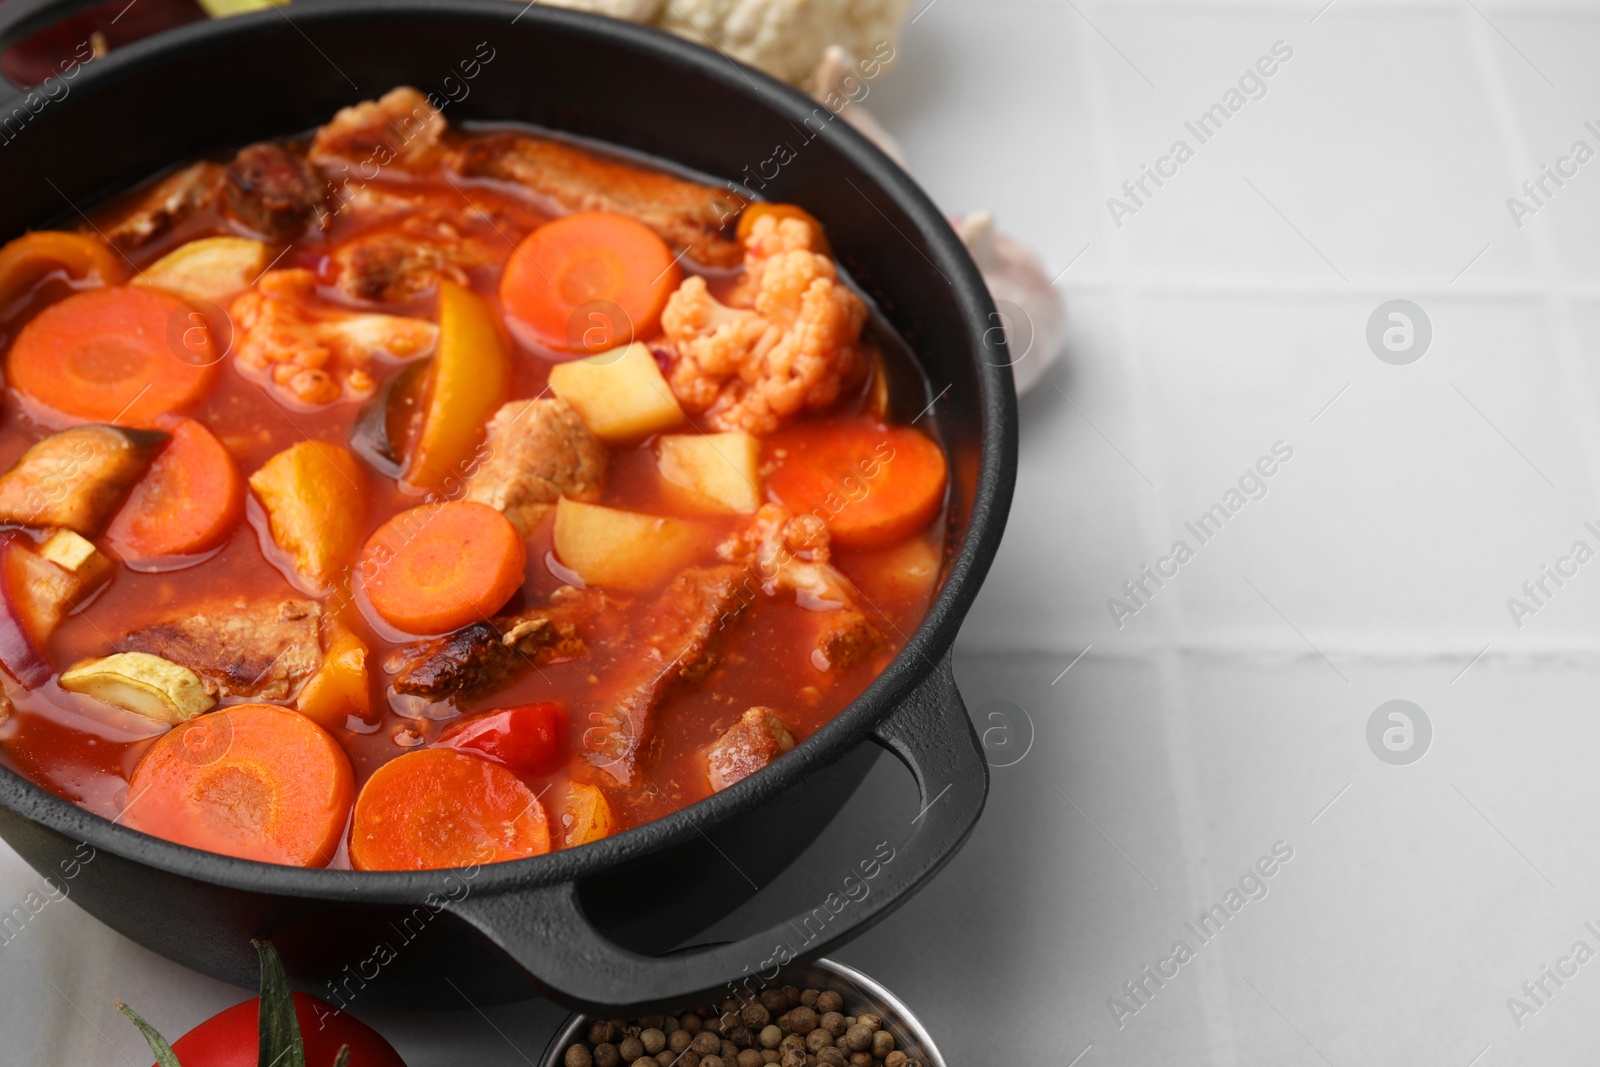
528	740
232	1038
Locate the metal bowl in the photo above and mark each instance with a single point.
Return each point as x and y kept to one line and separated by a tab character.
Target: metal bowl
861	994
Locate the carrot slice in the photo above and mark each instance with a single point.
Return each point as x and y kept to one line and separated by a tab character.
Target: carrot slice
440	566
108	355
872	484
189	500
437	808
253	781
27	260
588	283
747	222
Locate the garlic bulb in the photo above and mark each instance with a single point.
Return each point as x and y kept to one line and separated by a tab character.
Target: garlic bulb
1027	305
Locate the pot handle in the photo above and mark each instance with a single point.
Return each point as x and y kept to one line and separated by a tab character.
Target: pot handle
545	933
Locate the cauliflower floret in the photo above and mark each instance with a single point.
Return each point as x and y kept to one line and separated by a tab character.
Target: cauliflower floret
314	357
792	349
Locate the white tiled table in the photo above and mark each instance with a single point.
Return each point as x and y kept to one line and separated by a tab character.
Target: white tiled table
1227	314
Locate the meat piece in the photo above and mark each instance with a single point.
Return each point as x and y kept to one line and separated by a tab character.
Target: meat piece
486	655
684	214
680	635
386	268
274	191
539	451
758	738
261	650
402	129
791	554
792	351
164	205
312	355
77	477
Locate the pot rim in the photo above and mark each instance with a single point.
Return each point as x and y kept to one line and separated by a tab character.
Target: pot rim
964	569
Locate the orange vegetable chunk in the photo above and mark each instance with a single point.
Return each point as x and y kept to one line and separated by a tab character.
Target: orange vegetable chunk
872	484
469	380
436	807
441	566
189	500
588	282
339	688
109	355
254	781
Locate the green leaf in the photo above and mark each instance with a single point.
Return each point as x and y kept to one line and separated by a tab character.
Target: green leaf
343	1058
280	1029
159	1048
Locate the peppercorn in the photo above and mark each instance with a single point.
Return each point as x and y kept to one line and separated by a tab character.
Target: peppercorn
895	1059
818	1039
653	1040
802	1020
578	1056
600	1033
833	1022
711	1061
828	1000
882	1043
651	1022
793	1043
793	1059
861	1059
689	1058
769	1036
742	1036
706	1043
809	998
830	1057
749	1058
606	1055
774	1000
771	1055
690	1022
645	1061
791	996
631	1049
870	1021
858	1037
669	1024
755	1014
666	1058
679	1040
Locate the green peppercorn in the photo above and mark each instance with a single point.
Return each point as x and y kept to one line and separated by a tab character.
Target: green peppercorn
578	1056
834	1023
707	1044
631	1049
606	1055
818	1039
654	1040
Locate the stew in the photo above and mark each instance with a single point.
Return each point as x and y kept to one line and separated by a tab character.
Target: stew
407	496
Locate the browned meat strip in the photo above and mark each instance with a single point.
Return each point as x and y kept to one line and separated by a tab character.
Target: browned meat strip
77	477
274	191
681	629
401	129
846	638
685	214
486	655
539	451
164	205
387	268
758	738
262	651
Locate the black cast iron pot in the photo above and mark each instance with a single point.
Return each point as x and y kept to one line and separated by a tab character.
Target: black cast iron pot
582	926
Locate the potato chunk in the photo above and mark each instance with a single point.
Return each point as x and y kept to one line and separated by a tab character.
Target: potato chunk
625	549
591	815
621	395
314	504
77	477
714	471
208	269
141	683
